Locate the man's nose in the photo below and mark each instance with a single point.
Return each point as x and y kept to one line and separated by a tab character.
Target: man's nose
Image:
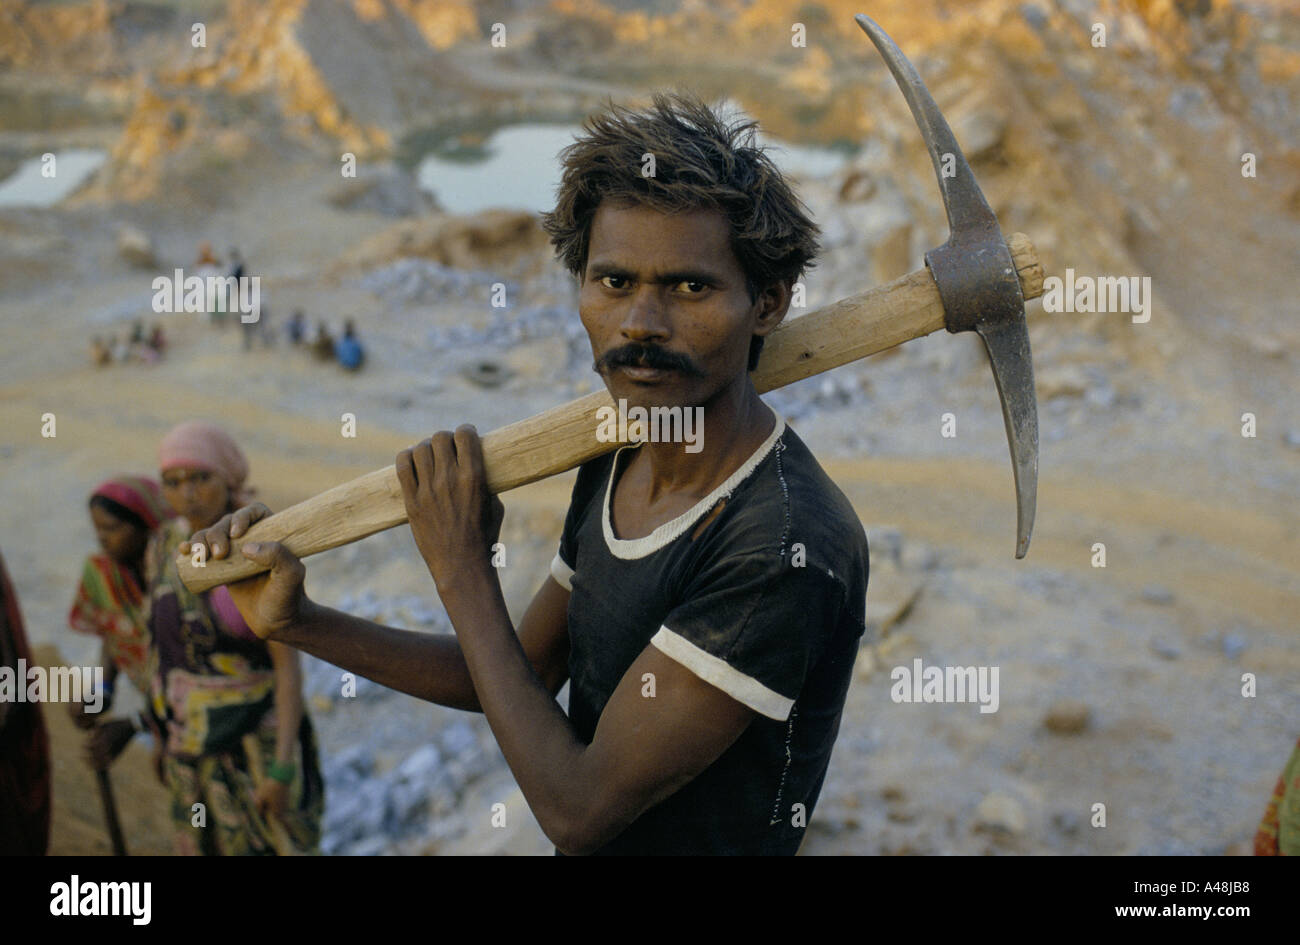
647	317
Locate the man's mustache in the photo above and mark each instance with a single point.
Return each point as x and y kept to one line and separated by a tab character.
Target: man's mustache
635	354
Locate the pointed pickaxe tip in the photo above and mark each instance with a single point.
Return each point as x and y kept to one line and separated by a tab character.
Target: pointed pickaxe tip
976	278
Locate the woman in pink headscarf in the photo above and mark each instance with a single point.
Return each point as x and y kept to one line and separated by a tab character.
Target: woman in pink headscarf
215	682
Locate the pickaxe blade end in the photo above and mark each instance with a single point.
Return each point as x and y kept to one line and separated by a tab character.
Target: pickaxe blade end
1007	344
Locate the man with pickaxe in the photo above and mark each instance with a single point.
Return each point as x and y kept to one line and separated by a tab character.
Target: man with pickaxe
706	606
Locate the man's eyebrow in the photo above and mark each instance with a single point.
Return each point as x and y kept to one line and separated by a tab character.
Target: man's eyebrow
689	275
599	270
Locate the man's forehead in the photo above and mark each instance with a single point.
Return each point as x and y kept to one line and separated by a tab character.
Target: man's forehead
628	233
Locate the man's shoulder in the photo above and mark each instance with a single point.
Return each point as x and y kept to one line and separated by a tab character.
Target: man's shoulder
814	495
794	497
592	476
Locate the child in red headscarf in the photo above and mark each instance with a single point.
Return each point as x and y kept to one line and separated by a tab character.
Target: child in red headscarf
110	601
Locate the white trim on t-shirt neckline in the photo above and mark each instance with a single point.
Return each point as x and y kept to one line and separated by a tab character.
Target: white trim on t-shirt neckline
631	548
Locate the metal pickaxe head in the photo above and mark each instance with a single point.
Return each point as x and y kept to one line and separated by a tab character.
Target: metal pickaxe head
977	280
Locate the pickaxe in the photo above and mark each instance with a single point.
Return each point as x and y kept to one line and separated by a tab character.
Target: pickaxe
977	280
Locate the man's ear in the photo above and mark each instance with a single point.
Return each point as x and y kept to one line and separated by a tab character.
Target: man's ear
771	305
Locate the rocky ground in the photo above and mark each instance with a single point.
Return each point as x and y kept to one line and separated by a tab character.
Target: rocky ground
1120	686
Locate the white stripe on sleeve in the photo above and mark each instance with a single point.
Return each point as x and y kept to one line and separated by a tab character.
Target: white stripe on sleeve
719	673
561	572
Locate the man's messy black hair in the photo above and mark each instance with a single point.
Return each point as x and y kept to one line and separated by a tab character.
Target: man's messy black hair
700	162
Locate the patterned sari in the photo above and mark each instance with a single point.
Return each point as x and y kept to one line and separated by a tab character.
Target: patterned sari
1279	831
213	686
109	601
110	604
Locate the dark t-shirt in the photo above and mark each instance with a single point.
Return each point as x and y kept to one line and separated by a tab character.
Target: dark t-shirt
767	603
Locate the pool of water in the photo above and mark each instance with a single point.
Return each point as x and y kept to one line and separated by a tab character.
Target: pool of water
517	166
26	187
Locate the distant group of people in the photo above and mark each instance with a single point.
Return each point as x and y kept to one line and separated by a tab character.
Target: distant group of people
233	742
207	265
347	350
136	347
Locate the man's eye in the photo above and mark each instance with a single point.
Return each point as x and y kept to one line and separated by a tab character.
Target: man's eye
690	287
613	282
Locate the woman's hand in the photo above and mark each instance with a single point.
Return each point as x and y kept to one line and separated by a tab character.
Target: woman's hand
454	519
107	741
81	715
272	798
271	602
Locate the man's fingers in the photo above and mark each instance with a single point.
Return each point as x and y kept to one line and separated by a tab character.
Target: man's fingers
469	449
443	448
439	457
277	557
422	455
245	517
405	472
216	537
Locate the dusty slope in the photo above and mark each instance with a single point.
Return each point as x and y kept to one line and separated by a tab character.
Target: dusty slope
1126	162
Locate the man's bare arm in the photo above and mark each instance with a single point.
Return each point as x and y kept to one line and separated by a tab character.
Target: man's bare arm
643	751
426	665
431	666
647	749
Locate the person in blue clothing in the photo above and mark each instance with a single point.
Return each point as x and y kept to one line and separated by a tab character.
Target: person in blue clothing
348	349
297	328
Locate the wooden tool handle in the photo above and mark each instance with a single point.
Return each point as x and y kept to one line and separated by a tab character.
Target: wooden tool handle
110	813
281	842
565	436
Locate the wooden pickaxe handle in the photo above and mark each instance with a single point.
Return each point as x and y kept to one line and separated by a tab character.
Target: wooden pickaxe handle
564	437
110	812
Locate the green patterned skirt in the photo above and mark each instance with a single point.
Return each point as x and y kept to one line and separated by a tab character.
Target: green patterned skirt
213	807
